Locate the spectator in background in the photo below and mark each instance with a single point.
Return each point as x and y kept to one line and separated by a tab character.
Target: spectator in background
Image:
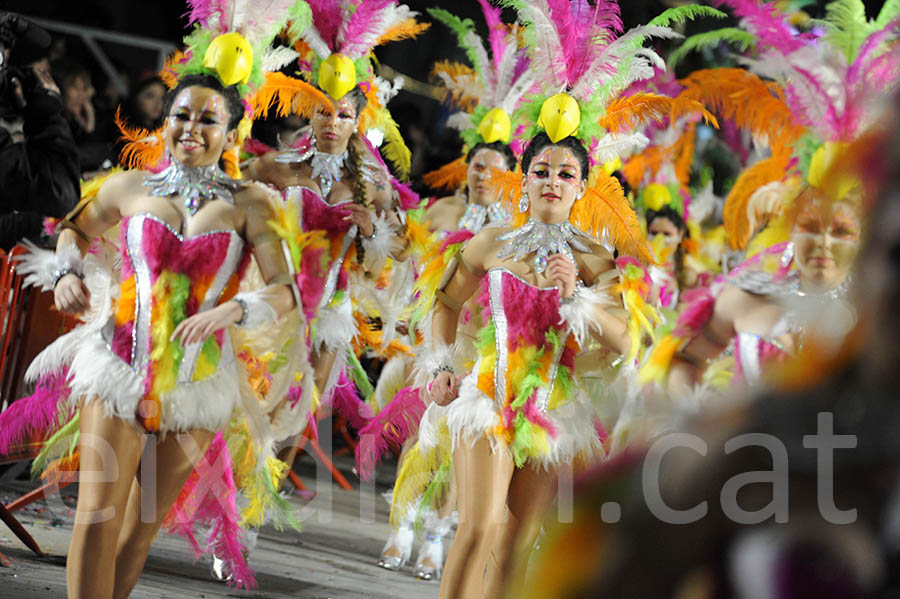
144	107
77	93
38	157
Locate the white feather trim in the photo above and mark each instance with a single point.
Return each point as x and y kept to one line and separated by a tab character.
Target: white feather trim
259	312
386	241
97	374
581	312
40	266
473	415
427	361
391	380
334	328
619	145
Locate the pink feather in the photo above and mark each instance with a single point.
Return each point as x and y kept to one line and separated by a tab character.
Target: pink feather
770	28
36	416
202	10
396	423
794	98
345	401
857	71
409	200
356	35
207	500
496	31
327	19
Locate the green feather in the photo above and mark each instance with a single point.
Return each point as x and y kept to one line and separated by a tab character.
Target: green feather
462	28
688	12
711	39
889	12
62	443
847	26
359	377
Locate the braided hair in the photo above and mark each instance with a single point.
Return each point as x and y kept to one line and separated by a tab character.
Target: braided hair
360	193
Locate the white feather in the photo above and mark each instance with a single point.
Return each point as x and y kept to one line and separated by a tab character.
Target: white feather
40	266
316	43
581	312
259	311
461	121
276	59
545	60
619	145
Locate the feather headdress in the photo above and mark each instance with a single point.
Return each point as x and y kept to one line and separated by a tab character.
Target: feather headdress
230	39
583	61
491	89
829	86
335	55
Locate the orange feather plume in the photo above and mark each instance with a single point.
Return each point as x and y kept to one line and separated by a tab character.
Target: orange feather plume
684	154
734	212
629	113
752	103
167	74
404	30
291	96
508	187
463	78
604	207
144	148
449	177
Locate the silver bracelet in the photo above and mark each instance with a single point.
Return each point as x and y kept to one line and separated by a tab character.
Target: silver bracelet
575	293
243	306
440	369
59	274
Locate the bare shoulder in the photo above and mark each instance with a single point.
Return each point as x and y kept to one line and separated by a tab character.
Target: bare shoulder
121	186
253	195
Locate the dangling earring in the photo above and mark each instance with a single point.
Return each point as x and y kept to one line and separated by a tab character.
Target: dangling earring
523	202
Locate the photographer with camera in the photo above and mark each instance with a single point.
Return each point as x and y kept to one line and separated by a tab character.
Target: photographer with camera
39	172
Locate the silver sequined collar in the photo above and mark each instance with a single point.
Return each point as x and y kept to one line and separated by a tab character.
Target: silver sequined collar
543	239
195	184
326	168
477	216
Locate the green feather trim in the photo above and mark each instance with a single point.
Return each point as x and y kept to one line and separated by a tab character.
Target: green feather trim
688	12
64	442
359	377
462	28
712	39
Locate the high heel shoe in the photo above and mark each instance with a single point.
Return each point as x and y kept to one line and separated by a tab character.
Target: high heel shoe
432	550
401	539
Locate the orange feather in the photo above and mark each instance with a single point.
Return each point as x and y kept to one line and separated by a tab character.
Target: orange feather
734	212
605	207
291	96
463	78
743	97
144	148
404	30
632	112
449	177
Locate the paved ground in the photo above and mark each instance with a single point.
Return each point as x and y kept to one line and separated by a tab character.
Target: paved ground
333	557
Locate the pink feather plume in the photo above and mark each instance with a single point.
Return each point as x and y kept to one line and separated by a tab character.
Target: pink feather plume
37	415
496	31
327	19
396	423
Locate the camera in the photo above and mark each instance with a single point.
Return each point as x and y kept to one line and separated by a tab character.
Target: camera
21	44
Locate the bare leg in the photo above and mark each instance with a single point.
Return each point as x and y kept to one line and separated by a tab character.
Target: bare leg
531	492
175	459
444	511
482	478
110	451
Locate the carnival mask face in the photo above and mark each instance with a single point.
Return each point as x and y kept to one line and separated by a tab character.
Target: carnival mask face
826	239
553	183
196	127
333	131
477	172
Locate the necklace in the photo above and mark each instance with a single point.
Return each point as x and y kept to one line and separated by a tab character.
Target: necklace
195	184
543	239
476	216
326	168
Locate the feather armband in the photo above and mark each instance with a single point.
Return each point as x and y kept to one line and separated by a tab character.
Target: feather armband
429	363
256	310
580	311
44	268
384	240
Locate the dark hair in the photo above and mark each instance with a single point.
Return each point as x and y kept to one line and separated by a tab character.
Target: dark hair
230	93
358	98
541	141
497	146
678	256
